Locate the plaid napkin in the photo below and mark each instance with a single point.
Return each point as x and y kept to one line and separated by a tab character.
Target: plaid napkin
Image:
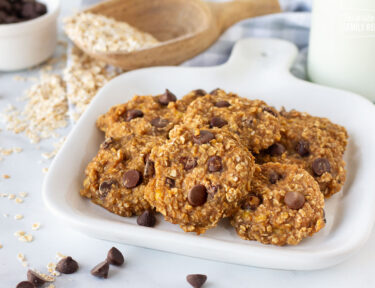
292	25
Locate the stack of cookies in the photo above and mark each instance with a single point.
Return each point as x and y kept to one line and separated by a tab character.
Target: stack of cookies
214	155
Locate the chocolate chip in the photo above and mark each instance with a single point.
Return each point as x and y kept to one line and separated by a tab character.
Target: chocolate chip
159	122
101	270
188	162
115	257
40	8
67	265
197	195
215	91
132	178
167	97
107	143
321	166
252	202
35	278
196	280
212	190
105	187
276	149
218	122
214	164
28	11
273	177
149	170
25	284
171	183
203	137
146	219
200	92
5	6
271	111
222	104
303	148
132	114
294	200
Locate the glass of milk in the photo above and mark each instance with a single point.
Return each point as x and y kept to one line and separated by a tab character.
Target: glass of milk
342	45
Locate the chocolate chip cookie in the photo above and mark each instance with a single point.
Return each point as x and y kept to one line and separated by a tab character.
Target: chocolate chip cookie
313	143
184	103
285	206
256	123
116	178
200	176
143	115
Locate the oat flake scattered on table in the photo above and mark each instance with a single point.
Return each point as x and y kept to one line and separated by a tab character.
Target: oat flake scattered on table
99	33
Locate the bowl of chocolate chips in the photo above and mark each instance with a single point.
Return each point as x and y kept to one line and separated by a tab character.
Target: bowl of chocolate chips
28	32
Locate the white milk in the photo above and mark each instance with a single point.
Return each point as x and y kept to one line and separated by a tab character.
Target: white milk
342	45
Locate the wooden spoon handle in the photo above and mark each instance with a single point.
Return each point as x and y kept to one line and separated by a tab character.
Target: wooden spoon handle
229	13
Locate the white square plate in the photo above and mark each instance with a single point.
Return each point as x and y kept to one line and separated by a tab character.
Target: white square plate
258	68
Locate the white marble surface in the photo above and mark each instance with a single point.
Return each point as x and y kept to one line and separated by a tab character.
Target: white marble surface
143	268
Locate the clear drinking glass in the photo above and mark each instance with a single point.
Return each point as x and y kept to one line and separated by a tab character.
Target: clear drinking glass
342	45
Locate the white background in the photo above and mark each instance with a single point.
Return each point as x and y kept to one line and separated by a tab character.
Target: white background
143	268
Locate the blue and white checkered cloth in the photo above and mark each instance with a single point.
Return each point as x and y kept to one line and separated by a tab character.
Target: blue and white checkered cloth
292	25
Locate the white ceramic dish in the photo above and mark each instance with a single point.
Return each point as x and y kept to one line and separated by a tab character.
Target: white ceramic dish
29	43
258	68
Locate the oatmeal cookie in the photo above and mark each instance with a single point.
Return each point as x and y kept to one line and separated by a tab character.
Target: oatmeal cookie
313	143
117	176
285	206
143	115
200	176
255	122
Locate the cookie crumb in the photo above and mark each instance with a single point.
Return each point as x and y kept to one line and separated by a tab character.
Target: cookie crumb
35	226
23	194
45	170
6	176
11	196
18	217
19	200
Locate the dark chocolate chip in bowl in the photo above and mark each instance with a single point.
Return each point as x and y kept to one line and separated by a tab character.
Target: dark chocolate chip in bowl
218	122
67	265
115	257
171	183
132	114
303	148
149	170
203	137
167	97
188	162
196	280
147	219
294	200
101	270
252	202
274	177
214	164
222	104
25	284
40	8
132	178
321	166
5	6
197	195
35	278
200	92
271	111
107	143
159	122
105	187
276	149
215	91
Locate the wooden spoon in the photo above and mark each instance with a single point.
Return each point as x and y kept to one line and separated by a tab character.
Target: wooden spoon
185	28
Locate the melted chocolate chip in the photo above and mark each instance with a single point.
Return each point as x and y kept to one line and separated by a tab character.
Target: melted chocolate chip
159	122
274	177
171	183
67	265
303	148
197	195
222	104
294	200
271	111
215	91
212	190
146	219
218	122
321	166
203	137
149	170
132	178
105	187
200	92
132	114
276	149
188	162
167	97
196	280
214	164
107	143
115	257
